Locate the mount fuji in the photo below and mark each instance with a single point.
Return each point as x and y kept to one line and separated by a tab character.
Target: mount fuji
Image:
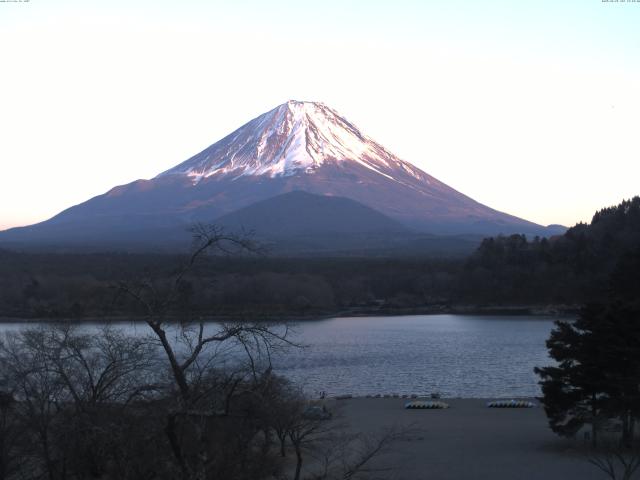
297	146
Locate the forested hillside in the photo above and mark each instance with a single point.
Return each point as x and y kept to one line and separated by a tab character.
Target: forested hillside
504	271
574	267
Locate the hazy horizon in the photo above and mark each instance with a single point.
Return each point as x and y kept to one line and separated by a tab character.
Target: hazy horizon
529	108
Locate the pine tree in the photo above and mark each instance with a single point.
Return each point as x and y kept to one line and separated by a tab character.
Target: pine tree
597	375
574	391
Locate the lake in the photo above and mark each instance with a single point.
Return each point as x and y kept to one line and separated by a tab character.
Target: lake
481	356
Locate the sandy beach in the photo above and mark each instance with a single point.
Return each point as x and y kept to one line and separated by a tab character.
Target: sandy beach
470	441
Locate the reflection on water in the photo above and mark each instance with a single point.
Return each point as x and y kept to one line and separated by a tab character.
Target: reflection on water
456	355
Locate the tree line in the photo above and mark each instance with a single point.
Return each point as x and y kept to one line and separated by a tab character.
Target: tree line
506	270
571	268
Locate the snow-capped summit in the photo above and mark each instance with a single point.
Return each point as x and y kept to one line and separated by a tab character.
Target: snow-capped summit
309	146
292	138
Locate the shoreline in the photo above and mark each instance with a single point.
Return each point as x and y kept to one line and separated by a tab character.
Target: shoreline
507	310
424	397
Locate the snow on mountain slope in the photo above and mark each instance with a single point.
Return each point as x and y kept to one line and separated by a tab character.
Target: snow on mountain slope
297	146
308	146
292	138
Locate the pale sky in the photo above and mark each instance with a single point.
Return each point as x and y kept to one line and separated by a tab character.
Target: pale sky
530	107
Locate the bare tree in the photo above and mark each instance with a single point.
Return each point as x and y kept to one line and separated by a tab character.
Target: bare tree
158	302
617	461
324	447
70	390
94	368
38	395
12	459
339	455
186	347
305	432
191	400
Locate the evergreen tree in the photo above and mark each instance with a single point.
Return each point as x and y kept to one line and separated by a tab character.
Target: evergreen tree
597	375
574	391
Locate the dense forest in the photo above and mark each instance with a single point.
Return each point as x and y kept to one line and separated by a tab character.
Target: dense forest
572	268
505	271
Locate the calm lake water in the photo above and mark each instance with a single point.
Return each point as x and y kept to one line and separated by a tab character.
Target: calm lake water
456	355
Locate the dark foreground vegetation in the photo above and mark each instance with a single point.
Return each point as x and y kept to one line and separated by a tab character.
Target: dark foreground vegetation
78	406
178	401
507	272
595	382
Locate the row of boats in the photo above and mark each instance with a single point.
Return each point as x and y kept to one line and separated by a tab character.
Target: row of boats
431	404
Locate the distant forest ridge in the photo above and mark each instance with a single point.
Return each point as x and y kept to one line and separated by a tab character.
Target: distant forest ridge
574	267
504	271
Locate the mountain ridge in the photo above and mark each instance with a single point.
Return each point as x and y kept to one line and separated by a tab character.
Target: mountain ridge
299	212
297	146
